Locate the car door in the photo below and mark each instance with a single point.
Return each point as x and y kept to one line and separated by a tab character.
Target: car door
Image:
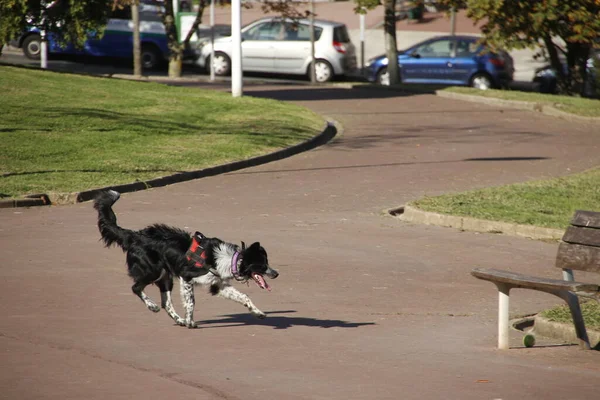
293	53
463	62
428	62
258	46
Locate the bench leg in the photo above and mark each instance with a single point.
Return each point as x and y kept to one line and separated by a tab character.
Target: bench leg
503	320
575	309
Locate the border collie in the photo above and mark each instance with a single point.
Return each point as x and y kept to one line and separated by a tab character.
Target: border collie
158	253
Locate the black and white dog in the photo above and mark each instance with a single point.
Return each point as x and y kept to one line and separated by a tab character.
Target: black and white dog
158	253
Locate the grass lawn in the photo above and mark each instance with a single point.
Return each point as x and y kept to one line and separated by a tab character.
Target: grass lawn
64	133
589	309
574	105
548	203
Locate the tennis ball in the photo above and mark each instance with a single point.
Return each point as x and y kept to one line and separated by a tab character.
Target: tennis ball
529	340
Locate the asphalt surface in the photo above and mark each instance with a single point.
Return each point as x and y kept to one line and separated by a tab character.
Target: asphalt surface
366	306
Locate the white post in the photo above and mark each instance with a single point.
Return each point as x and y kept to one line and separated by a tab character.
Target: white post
236	50
212	39
175	8
311	27
503	328
43	50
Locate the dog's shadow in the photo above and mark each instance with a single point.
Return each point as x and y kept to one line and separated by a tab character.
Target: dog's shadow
278	321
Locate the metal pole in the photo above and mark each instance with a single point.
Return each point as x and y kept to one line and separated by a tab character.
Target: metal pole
43	49
313	74
212	39
137	59
503	322
453	21
236	51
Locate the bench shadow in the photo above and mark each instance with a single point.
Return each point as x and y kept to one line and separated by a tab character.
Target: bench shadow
277	321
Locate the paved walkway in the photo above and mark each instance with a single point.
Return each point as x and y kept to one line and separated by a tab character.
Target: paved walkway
366	306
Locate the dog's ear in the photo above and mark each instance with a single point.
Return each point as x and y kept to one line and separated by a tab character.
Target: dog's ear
199	235
243	246
255	245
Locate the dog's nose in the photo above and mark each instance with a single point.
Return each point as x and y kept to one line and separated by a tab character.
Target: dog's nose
273	274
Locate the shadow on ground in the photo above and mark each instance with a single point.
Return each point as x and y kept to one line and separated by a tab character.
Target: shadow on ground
278	321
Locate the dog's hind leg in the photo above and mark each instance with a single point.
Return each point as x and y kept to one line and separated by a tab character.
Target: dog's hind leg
138	289
231	293
187	297
166	287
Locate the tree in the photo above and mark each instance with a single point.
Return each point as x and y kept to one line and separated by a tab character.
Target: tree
563	29
389	31
71	21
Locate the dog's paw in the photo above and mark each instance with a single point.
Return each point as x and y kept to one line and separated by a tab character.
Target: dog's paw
259	314
191	324
153	307
180	322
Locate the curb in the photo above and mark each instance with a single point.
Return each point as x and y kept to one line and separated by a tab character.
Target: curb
564	331
78	197
517	104
412	214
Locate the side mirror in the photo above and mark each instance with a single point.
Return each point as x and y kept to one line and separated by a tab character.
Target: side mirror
415	55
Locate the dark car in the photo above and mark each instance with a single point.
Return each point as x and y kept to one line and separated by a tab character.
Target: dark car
447	60
546	77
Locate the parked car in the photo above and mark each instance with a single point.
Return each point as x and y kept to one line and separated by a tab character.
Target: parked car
117	40
276	45
546	77
448	60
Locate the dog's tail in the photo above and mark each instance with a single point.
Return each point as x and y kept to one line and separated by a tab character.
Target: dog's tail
107	221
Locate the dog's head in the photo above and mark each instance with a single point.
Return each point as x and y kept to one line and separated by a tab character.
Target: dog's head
255	265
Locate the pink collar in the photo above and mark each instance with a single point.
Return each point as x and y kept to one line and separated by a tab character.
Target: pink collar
234	267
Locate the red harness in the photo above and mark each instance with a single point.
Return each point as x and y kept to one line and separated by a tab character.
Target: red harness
196	253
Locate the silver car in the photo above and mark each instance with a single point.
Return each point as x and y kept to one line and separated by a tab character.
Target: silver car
277	45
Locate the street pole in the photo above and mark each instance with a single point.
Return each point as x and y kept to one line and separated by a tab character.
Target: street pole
212	39
236	51
43	39
453	21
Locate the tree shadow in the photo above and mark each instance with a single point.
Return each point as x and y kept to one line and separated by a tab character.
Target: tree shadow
278	321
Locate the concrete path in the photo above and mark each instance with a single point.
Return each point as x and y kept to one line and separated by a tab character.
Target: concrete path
366	306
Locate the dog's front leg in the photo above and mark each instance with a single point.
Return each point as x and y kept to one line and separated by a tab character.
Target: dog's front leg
187	297
231	293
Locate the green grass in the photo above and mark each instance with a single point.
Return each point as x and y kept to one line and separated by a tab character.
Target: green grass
548	203
64	133
574	105
589	309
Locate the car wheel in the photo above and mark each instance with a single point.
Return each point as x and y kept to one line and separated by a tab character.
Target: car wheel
151	57
32	47
323	71
221	63
383	77
481	81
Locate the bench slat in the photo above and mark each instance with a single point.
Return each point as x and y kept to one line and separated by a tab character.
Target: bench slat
589	219
532	282
580	235
578	257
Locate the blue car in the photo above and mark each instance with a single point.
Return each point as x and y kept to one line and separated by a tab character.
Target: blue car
447	60
117	40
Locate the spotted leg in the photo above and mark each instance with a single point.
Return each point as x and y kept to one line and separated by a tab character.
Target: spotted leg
187	297
231	293
166	287
138	289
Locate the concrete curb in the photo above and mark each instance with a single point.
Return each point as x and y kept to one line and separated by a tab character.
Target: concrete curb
413	214
521	105
71	198
563	331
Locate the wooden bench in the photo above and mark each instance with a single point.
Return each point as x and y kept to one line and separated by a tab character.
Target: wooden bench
578	250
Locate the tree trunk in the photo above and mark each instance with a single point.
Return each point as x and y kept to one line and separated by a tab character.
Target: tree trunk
391	49
175	48
196	24
137	59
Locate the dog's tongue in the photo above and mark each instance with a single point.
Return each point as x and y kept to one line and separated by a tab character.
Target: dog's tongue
260	281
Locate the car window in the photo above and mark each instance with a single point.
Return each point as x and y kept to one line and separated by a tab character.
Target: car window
340	34
438	48
466	48
300	32
266	31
